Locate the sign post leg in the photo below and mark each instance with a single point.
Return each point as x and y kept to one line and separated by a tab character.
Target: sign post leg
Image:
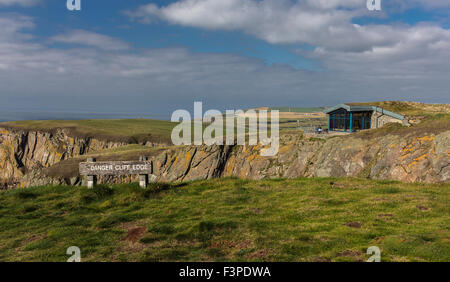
143	178
91	179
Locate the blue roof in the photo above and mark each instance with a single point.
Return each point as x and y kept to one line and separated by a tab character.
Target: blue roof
364	109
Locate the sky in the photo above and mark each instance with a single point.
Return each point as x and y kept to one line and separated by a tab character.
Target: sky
154	57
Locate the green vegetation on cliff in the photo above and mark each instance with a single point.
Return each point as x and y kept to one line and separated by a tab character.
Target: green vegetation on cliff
229	220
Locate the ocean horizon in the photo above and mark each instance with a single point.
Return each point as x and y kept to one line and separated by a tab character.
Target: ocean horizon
6	116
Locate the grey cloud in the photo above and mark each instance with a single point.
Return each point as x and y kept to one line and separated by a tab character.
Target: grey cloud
88	38
430	4
161	80
25	3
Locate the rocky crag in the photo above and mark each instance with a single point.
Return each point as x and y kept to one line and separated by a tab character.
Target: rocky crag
410	157
22	152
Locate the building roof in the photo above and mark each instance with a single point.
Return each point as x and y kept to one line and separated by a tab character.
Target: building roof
364	109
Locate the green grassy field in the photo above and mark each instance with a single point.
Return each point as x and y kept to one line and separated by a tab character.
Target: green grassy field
298	110
292	124
229	220
128	130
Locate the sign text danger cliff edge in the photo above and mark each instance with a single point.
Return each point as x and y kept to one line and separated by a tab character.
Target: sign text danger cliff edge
91	168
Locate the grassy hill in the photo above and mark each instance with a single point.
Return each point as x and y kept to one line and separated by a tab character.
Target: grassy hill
409	109
229	220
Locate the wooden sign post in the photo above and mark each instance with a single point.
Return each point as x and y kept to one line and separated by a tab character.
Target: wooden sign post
91	179
91	169
143	178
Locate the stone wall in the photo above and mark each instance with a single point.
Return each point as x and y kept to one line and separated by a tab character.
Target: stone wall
379	120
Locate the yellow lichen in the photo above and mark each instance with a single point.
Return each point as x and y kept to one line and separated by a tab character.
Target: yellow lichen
426	138
413	164
421	158
188	156
230	166
285	149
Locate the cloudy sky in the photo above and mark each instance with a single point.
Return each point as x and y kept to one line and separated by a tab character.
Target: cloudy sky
153	57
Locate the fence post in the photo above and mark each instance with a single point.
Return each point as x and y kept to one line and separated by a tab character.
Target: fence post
143	178
91	179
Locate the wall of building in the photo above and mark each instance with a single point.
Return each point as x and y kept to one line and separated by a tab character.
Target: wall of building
383	119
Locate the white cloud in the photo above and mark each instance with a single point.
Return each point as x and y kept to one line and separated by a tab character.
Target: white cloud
25	3
13	23
411	67
326	24
430	4
92	39
276	21
361	58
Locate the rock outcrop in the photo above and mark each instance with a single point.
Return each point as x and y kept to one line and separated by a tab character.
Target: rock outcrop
23	152
409	158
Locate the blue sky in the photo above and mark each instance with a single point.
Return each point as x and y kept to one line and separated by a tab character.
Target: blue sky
107	17
228	53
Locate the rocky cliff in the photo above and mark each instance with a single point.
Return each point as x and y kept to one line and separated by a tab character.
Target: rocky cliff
410	156
22	152
410	159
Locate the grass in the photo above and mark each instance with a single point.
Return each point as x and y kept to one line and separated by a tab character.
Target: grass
229	220
290	124
126	130
132	131
298	110
434	119
411	109
432	125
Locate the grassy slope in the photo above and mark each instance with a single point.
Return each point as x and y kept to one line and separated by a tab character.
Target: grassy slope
128	130
411	109
431	125
229	219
